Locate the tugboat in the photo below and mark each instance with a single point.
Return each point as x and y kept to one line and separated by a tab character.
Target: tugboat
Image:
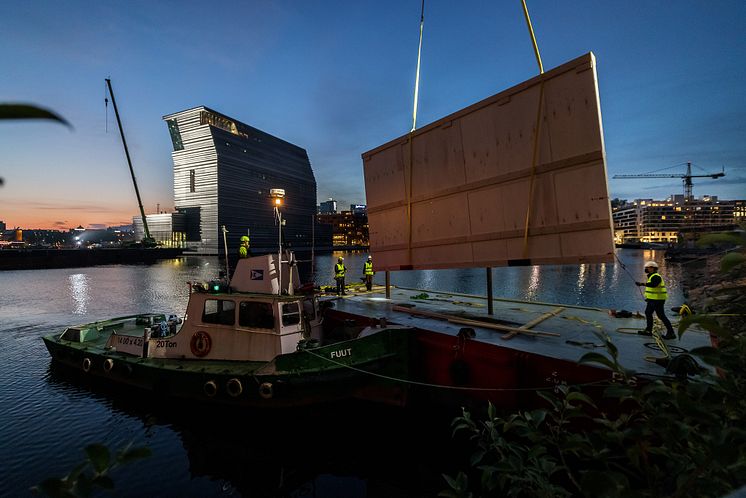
251	340
248	342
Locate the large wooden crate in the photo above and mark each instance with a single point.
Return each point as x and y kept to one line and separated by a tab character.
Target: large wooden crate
457	192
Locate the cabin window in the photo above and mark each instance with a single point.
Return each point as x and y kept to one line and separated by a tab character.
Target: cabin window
219	311
256	315
290	314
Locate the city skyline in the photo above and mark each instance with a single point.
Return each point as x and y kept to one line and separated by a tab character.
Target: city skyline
337	79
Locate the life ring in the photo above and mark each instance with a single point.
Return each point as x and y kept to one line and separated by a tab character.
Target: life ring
234	387
86	365
210	388
265	390
108	365
200	344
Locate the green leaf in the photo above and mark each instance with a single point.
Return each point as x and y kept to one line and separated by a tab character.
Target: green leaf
573	396
83	486
597	358
99	456
731	260
53	487
27	111
105	482
134	454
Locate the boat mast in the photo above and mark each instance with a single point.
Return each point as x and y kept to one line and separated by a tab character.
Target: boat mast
129	161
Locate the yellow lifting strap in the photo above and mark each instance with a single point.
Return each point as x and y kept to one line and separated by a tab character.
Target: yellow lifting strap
409	138
533	37
534	159
417	75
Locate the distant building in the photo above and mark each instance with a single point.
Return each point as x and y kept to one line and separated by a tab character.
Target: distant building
358	209
651	221
2	226
328	207
349	229
223	171
168	229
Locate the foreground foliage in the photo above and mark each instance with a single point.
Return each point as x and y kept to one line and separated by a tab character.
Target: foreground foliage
93	473
681	437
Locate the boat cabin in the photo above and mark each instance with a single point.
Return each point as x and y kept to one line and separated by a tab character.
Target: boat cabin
254	317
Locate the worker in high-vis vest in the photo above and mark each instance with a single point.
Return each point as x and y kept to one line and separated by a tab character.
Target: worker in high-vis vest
655	296
339	275
243	250
368	273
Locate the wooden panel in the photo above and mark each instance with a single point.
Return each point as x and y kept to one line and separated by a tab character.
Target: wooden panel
457	192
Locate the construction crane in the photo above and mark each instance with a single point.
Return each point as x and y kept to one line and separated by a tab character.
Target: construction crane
686	177
148	241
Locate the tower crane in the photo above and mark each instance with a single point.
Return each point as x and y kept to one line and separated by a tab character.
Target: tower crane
686	177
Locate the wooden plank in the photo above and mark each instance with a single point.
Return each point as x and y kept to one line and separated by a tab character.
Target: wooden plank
473	323
457	192
535	321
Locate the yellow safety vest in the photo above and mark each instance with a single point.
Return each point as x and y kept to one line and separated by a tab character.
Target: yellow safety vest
656	293
243	252
339	270
368	270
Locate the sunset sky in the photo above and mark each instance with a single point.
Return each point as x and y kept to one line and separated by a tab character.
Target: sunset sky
337	78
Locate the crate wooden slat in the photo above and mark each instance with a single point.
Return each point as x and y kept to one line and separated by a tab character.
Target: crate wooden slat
456	192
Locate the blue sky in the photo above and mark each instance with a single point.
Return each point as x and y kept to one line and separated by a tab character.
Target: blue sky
337	78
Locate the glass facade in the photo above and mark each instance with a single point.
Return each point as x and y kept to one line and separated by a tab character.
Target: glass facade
173	130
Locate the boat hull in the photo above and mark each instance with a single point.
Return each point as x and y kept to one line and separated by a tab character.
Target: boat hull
371	367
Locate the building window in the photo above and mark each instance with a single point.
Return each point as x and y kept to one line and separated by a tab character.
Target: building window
192	181
173	129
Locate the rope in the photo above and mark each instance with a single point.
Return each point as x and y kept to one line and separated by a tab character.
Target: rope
533	168
624	267
455	388
417	77
410	136
533	37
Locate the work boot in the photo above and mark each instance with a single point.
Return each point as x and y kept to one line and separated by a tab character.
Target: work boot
644	332
669	335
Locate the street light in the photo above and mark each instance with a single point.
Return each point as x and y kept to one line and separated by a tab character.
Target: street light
278	196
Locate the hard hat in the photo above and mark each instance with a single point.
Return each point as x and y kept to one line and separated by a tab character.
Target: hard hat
341	259
244	238
370	257
651	263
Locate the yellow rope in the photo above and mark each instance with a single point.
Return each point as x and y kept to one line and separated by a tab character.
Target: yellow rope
533	37
534	159
417	76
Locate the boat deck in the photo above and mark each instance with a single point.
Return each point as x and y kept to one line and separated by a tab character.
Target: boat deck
570	330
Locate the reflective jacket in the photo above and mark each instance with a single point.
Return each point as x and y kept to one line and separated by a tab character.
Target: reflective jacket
339	270
368	269
243	252
656	293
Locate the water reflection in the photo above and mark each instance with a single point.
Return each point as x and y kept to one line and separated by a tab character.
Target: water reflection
79	293
610	285
533	284
330	450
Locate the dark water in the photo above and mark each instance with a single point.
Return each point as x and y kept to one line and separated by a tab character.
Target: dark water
47	417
